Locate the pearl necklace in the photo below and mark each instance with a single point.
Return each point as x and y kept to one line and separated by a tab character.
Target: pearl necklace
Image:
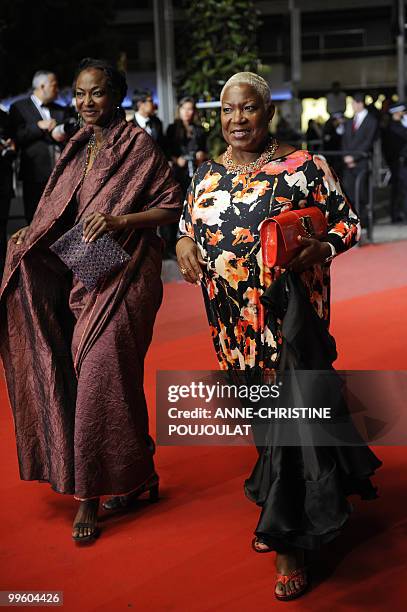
253	166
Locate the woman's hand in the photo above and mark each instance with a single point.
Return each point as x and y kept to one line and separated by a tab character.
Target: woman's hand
98	223
313	252
19	236
189	260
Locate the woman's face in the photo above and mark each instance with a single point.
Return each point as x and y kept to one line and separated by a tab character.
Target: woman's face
95	101
186	112
245	118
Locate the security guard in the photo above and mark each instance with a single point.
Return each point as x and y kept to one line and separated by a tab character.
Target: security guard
396	154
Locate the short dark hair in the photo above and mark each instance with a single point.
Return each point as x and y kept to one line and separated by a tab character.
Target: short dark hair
359	97
140	96
116	79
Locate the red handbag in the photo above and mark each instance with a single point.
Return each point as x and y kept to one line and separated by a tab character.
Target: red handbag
279	234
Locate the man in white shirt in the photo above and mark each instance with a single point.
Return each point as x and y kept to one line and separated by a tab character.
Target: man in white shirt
36	125
359	135
146	118
336	99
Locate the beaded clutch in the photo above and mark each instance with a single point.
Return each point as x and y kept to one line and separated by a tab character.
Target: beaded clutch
90	262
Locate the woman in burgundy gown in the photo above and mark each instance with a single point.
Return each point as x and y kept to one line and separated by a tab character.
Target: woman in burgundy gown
74	358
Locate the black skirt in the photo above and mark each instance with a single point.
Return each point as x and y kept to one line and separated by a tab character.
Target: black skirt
303	492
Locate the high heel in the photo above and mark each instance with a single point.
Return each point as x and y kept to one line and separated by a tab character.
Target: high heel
154	494
123	502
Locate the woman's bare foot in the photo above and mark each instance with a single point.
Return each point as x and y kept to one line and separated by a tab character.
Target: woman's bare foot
285	564
85	523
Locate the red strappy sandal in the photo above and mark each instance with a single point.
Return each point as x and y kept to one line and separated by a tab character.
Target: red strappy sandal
300	575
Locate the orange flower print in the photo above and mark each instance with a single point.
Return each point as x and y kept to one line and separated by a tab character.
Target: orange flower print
213	238
242	235
233	269
318	196
340	228
233	356
250	352
298	179
329	178
208	183
251	192
186	227
214	331
241	330
252	312
211	288
268	338
209	206
290	164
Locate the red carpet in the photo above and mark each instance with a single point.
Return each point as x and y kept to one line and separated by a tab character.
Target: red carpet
191	552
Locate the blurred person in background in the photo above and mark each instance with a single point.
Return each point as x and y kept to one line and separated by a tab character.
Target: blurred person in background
359	135
332	140
372	108
286	132
314	133
336	99
37	126
187	149
395	145
7	155
145	117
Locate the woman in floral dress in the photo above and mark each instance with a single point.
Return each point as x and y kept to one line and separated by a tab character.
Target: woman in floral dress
257	178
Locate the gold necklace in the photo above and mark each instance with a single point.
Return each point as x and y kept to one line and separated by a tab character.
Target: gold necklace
253	166
92	150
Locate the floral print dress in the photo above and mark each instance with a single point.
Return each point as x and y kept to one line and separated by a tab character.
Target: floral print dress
222	214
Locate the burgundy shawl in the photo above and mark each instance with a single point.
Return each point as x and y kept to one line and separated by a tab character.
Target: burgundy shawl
129	175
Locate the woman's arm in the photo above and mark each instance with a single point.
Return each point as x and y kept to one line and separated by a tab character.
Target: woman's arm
189	257
160	195
98	223
343	222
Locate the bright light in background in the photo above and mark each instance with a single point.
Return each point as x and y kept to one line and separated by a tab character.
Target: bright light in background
313	109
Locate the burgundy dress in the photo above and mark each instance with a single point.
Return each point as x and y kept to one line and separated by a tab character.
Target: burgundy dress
74	360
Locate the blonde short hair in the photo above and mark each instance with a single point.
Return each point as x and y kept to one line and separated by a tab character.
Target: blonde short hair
252	79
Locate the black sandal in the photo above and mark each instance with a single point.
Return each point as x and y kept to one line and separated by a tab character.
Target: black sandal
88	538
258	540
123	502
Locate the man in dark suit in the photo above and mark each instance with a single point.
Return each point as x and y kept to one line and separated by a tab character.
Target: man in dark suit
7	155
359	135
146	118
36	123
395	143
